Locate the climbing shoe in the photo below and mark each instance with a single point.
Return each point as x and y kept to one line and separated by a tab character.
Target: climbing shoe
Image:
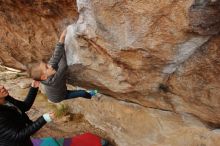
92	92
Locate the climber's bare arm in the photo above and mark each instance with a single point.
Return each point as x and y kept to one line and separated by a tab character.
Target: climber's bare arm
62	37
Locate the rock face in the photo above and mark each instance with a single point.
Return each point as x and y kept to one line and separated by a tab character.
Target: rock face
161	55
131	125
29	29
204	17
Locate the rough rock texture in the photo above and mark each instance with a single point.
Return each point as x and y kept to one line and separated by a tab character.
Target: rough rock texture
162	55
129	124
29	29
125	124
67	125
145	52
204	17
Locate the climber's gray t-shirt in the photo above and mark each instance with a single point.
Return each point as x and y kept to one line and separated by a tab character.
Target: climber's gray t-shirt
55	86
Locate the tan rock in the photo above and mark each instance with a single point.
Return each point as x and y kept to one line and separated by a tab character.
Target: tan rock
129	124
29	29
23	84
143	52
158	54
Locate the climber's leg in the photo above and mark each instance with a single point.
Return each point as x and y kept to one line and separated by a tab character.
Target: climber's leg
78	93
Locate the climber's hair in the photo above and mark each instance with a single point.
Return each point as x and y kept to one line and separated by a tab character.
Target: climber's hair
34	70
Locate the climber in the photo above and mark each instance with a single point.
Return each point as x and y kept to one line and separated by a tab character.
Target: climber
53	76
15	126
